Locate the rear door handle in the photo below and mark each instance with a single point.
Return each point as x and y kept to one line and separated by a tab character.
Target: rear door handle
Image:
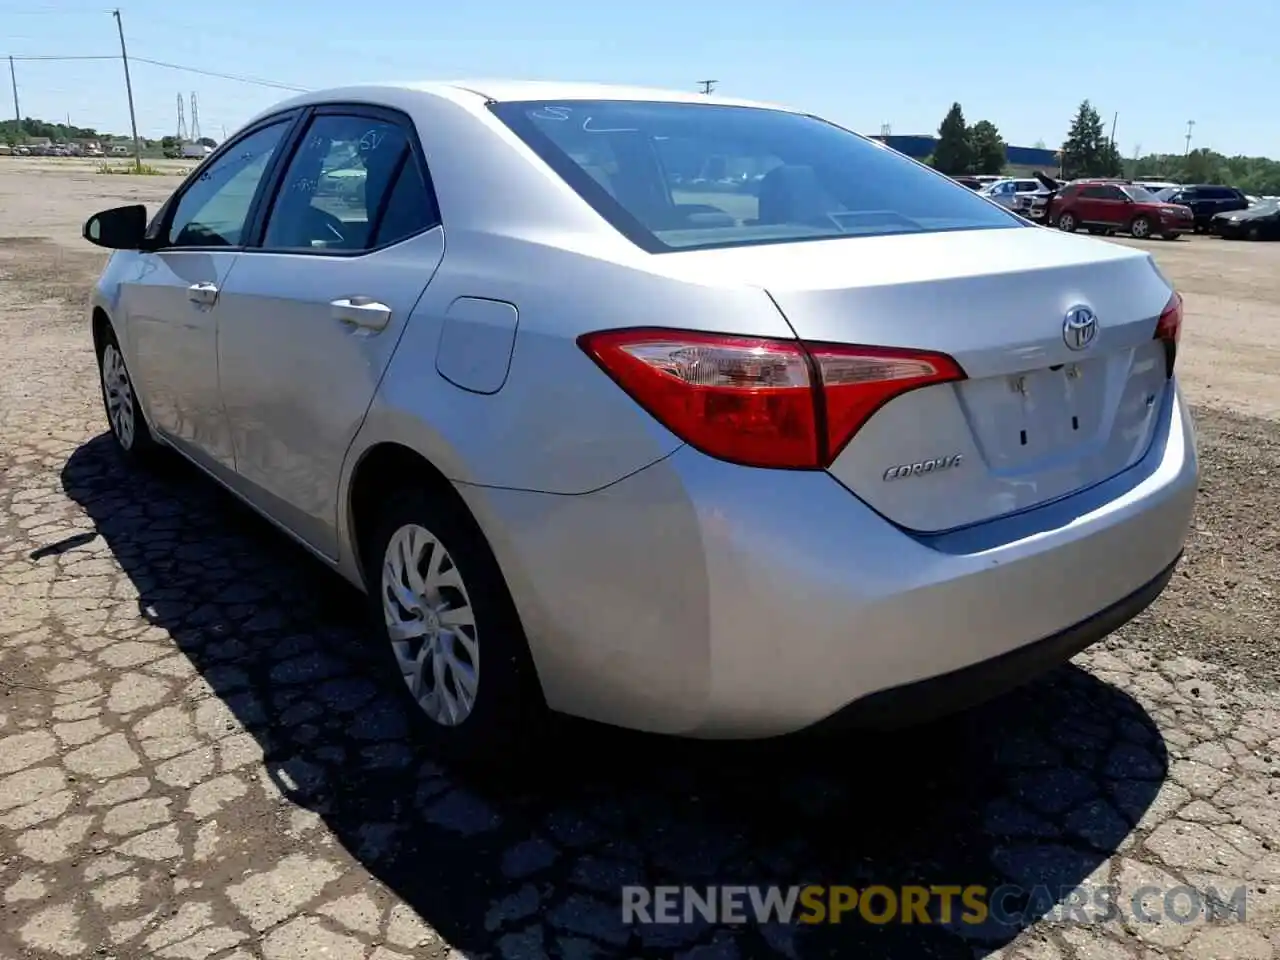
205	293
361	312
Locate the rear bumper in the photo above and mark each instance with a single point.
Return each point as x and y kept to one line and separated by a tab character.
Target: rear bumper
948	693
703	599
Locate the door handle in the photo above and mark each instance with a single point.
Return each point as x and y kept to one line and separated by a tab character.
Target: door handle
205	293
361	312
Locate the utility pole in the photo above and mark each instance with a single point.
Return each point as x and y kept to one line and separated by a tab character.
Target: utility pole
1187	151
128	86
17	113
707	85
1114	117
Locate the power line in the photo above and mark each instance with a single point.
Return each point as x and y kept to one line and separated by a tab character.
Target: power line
278	85
239	78
109	56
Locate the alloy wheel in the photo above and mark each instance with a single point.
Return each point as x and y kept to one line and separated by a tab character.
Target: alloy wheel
431	625
1140	228
119	395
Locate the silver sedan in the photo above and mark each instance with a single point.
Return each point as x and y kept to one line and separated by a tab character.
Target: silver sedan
680	413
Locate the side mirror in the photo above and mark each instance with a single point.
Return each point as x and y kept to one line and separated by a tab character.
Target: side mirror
120	228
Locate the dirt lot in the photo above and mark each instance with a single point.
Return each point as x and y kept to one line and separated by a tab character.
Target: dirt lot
194	765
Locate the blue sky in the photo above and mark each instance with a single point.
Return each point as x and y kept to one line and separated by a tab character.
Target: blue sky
1156	64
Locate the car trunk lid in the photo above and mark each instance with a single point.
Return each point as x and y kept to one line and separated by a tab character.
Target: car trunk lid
1045	409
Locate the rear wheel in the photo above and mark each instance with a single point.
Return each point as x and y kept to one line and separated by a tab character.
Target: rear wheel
1140	228
451	637
1067	222
120	401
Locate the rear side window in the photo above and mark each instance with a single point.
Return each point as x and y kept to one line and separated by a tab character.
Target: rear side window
350	174
682	176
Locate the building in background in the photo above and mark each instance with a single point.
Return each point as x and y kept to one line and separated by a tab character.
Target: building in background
1018	160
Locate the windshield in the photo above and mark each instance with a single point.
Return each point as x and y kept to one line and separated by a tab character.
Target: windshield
1139	194
681	176
1265	206
1167	194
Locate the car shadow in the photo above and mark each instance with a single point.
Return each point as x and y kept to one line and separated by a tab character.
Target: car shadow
1036	789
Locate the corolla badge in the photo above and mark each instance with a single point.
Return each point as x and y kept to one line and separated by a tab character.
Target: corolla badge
1079	327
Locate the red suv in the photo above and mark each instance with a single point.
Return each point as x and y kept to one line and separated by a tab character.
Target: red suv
1104	207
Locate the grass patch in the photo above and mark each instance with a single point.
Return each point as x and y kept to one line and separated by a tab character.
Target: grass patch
137	170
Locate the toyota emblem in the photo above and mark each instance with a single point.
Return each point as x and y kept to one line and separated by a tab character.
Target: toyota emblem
1079	327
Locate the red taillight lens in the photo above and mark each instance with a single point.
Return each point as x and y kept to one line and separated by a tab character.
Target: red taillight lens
1169	330
756	401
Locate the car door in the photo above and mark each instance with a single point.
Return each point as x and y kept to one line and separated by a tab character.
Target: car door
170	304
314	309
1109	206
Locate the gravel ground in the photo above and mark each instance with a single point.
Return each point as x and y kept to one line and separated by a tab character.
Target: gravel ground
193	763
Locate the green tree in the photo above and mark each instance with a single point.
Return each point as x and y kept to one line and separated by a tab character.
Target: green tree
1087	152
987	148
1112	162
56	132
952	155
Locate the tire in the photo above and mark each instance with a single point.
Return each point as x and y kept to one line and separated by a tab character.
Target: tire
475	694
120	403
1140	228
1067	222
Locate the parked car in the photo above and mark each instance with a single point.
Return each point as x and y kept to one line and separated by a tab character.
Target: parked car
859	445
1014	193
1103	206
1155	186
1206	201
973	183
1259	222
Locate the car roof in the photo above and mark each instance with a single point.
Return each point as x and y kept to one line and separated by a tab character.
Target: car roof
475	92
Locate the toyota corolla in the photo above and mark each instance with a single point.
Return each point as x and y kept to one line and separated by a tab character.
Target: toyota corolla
691	415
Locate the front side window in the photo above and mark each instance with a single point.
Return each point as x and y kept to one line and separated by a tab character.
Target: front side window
214	209
681	176
338	185
1138	194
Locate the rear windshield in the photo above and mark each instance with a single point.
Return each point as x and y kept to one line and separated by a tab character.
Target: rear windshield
682	176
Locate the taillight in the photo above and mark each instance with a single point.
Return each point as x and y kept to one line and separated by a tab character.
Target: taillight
1169	330
761	402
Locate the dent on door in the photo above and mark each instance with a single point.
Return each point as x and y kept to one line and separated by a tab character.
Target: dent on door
171	310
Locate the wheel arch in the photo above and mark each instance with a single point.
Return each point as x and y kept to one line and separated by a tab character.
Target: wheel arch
101	326
386	466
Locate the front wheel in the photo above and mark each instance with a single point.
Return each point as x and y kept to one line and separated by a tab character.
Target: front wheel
1140	228
120	400
451	636
1067	222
